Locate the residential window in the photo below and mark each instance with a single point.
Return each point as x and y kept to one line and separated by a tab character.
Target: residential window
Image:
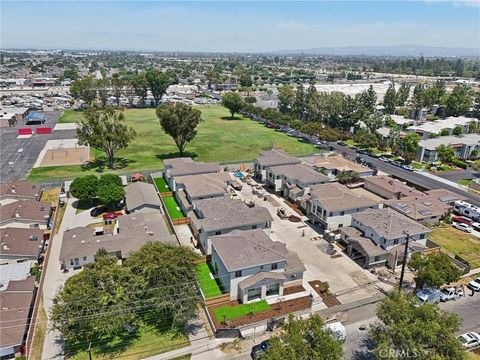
377	258
274	266
238	273
254	226
422	236
218	232
342	212
261	267
340	225
395	242
330	213
84	258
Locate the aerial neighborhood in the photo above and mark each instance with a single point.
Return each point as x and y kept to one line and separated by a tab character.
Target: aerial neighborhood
313	204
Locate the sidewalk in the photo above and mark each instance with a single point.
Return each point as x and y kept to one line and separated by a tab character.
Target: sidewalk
442	180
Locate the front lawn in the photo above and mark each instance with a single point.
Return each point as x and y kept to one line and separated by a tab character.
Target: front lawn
417	165
219	139
457	242
173	208
162	185
233	312
148	342
465	182
208	284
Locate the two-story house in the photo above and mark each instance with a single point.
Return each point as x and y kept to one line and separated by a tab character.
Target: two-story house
377	235
186	166
198	187
331	206
251	266
270	158
293	180
222	215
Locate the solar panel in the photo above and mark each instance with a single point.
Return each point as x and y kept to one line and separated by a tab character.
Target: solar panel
425	212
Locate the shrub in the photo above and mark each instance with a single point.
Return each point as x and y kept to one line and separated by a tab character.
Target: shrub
459	163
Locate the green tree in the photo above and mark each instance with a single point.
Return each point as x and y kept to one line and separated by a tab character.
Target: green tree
250	99
404	332
329	134
476	165
286	97
418	98
96	303
367	140
233	102
117	86
433	270
390	99
103	89
245	80
473	127
110	194
84	89
393	139
445	154
139	84
373	122
304	339
409	146
300	102
347	177
458	102
158	83
311	129
368	100
84	187
457	130
167	279
110	179
213	77
403	94
180	121
104	129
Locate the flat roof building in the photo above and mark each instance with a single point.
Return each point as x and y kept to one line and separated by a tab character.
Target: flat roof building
463	146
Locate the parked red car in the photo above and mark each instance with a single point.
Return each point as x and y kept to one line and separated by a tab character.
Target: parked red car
462	219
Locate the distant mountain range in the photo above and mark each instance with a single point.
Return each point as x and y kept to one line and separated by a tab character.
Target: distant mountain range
396	50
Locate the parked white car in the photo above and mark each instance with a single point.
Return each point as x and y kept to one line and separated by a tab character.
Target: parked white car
463	227
450	293
469	340
474	284
408	167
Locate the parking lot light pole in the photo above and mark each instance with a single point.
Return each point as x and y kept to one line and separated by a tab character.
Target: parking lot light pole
404	261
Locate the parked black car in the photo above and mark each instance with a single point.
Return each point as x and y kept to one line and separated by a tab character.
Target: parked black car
259	349
99	210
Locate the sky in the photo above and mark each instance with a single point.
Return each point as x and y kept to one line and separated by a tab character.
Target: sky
237	26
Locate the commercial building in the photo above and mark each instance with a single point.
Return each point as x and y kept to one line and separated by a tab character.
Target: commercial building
463	146
251	266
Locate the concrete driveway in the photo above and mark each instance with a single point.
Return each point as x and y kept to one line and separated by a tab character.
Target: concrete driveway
346	279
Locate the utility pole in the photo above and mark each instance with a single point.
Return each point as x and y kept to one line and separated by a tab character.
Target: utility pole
404	261
90	351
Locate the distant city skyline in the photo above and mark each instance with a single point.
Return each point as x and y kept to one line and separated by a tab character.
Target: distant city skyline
243	26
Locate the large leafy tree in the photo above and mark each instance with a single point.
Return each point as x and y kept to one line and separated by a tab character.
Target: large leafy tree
434	270
97	303
445	154
104	129
373	122
139	84
103	89
158	83
118	85
180	122
167	279
405	332
304	339
110	194
403	94
409	145
300	101
233	102
458	102
84	187
286	97
390	99
84	89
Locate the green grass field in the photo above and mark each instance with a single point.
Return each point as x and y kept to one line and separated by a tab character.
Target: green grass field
465	182
173	208
457	242
148	342
209	286
218	139
162	185
233	312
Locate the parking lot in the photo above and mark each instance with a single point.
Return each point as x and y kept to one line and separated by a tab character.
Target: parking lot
348	281
17	165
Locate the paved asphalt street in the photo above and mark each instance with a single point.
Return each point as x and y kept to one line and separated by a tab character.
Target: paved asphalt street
410	177
15	165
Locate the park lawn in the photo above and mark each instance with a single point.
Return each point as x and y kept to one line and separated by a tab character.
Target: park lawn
173	208
219	139
149	342
233	312
162	185
209	286
457	242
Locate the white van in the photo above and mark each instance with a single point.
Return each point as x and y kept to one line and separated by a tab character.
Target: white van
337	329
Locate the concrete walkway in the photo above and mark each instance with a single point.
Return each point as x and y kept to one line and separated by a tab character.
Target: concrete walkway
55	278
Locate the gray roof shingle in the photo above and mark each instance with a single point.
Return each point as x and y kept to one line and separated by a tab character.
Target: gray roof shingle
140	193
255	279
276	157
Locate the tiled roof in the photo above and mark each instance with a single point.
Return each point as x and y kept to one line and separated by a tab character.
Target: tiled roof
26	210
140	193
337	197
186	166
276	157
301	173
255	279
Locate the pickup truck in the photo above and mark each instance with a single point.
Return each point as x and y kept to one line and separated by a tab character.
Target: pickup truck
427	295
451	293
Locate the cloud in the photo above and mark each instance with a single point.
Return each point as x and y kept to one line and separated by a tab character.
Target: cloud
291	25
